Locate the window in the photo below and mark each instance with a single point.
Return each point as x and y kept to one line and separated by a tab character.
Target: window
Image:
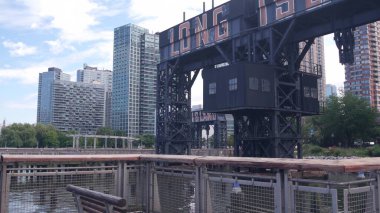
265	85
212	88
253	83
314	92
306	92
232	84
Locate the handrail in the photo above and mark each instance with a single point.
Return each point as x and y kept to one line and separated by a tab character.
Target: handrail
344	165
106	198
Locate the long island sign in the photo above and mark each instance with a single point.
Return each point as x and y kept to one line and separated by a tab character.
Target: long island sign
227	20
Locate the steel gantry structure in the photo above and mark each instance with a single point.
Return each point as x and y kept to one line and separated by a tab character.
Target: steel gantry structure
250	56
202	121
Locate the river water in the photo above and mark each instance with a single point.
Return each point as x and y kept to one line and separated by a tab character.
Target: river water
48	194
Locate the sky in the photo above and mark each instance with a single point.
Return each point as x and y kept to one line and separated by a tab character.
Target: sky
37	34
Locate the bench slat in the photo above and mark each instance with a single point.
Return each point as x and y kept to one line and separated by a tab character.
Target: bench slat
91	210
92	205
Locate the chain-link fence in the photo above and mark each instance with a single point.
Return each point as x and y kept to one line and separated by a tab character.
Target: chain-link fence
42	188
360	199
154	185
234	193
350	194
175	190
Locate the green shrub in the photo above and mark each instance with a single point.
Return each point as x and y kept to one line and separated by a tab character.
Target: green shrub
375	151
312	150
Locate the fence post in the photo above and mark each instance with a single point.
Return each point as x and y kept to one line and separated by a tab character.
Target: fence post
199	190
204	192
156	202
206	199
279	192
282	192
288	196
120	180
4	189
149	188
378	192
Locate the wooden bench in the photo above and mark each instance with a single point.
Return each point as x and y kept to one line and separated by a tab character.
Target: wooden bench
96	202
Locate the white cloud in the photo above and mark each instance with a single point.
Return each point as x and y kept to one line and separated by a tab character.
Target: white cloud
160	15
71	22
100	54
13	15
27	102
27	75
18	49
73	18
58	46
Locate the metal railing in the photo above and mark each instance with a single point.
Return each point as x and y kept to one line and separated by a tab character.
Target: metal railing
171	184
103	151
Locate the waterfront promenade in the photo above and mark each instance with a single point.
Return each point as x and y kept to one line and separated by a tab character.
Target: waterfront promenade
171	184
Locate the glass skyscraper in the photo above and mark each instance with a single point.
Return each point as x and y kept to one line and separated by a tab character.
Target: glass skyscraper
136	55
45	88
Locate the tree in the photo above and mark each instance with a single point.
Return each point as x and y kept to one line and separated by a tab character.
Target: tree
47	136
18	135
311	132
104	131
345	119
64	140
147	140
230	140
119	133
27	134
10	138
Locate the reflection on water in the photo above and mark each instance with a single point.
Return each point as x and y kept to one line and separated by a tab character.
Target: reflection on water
48	193
40	202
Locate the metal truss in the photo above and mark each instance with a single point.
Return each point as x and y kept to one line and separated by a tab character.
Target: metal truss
264	132
220	134
345	42
274	132
269	133
174	109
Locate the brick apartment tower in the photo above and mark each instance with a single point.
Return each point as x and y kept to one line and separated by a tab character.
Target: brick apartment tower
362	77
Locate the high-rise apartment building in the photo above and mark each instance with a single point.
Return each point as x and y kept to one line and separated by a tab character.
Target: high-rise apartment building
331	90
70	105
78	106
362	77
314	62
94	75
148	85
45	85
2	126
136	55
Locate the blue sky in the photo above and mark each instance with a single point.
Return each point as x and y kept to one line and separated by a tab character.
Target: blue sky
37	34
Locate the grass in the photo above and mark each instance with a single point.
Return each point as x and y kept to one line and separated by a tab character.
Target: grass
314	150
